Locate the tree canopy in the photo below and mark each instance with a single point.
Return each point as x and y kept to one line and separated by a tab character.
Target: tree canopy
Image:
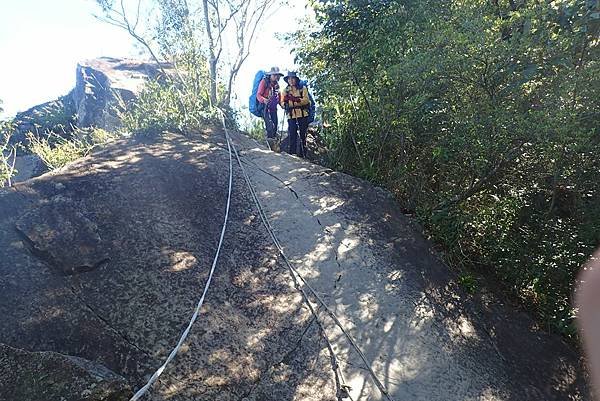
482	117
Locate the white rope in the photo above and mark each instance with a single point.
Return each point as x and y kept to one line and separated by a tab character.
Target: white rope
295	274
142	391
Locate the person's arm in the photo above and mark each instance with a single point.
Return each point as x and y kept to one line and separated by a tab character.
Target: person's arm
282	98
261	89
587	298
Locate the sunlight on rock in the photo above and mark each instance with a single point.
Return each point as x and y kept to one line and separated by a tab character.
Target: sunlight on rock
491	394
17	244
326	204
323	251
464	328
300	170
387	326
395	275
347	244
248	221
368	307
422	313
255	339
277	214
182	260
267	194
202	147
259	150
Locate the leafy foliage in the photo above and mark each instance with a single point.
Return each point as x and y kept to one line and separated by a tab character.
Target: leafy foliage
482	117
56	151
8	154
164	107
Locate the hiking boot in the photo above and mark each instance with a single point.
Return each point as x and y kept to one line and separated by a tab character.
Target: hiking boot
273	144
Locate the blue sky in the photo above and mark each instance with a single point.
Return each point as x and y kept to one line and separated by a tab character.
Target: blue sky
41	42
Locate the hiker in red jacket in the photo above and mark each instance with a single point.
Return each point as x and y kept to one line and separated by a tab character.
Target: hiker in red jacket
268	94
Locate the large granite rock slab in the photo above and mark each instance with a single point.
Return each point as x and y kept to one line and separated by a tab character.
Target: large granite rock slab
44	376
105	260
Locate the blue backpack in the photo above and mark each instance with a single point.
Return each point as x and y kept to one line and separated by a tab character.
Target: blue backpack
256	107
312	108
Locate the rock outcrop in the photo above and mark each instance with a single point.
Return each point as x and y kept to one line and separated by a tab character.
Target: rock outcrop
102	85
44	376
105	259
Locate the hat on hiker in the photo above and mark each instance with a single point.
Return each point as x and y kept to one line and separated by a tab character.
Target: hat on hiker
274	71
291	74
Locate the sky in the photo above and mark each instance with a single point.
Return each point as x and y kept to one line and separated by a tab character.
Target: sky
41	42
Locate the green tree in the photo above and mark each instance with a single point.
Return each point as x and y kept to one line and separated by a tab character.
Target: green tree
481	116
205	38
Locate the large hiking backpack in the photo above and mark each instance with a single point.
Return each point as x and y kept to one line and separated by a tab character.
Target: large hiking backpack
256	107
313	107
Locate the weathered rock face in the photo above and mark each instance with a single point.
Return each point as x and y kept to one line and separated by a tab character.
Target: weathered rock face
56	116
46	376
103	83
105	260
59	233
101	86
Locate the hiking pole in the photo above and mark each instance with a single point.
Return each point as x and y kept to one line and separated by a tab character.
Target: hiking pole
298	129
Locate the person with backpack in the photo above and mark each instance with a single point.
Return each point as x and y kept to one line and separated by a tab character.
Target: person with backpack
268	96
296	102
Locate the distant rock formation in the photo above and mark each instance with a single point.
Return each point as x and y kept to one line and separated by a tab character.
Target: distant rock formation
101	85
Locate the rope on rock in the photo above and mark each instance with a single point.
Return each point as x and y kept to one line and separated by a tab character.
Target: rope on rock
142	391
343	389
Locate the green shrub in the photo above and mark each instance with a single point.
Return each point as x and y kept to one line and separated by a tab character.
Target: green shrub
167	106
8	154
56	151
482	118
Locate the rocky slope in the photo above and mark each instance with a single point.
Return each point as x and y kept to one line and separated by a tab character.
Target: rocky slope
104	260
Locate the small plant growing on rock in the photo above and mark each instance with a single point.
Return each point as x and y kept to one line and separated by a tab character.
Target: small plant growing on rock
8	154
56	151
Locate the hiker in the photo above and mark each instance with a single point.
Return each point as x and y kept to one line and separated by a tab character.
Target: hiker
294	99
268	95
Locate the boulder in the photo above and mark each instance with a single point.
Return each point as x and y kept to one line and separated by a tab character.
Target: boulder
56	116
104	84
44	376
102	87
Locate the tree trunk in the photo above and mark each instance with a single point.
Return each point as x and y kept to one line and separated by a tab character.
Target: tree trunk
212	58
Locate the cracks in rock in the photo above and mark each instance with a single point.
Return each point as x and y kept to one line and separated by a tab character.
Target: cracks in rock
286	185
47	258
285	359
106	323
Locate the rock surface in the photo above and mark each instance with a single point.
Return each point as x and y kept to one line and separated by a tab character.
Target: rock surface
144	218
47	376
103	83
27	166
